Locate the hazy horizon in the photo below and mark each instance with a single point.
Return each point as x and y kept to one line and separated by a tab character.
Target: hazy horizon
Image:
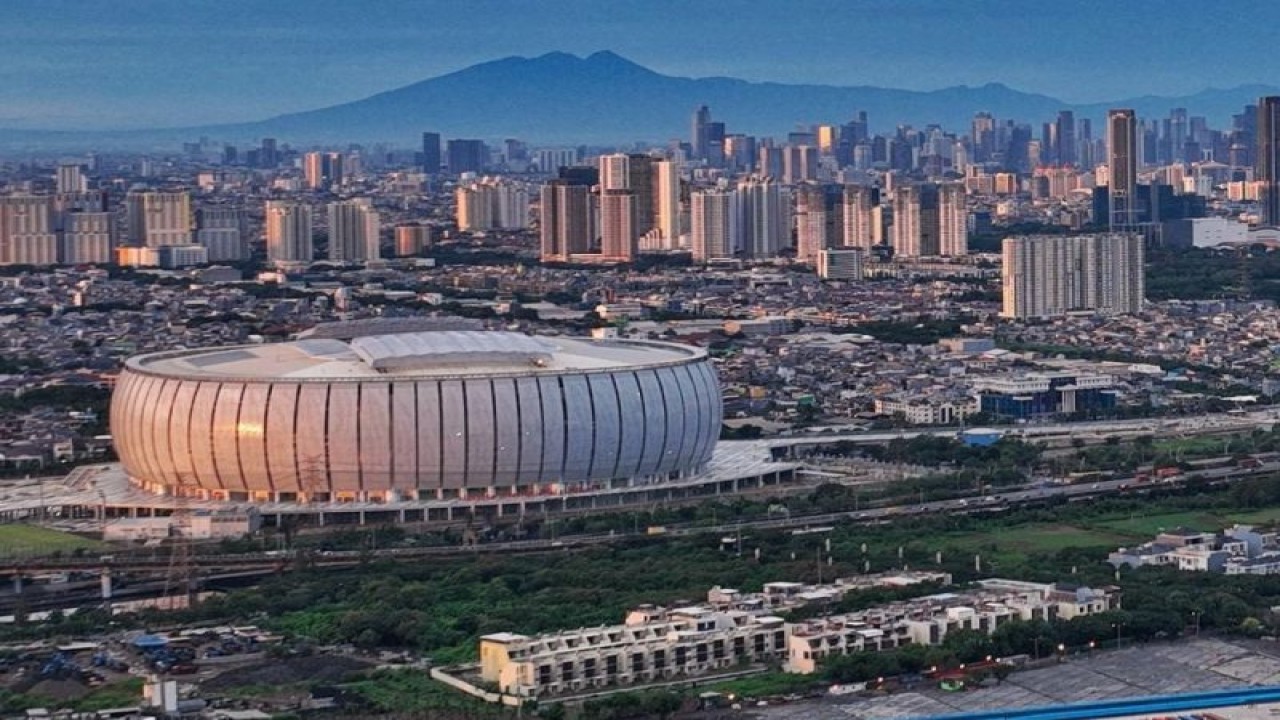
151	63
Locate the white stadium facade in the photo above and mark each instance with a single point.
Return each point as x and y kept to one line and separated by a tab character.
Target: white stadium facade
410	417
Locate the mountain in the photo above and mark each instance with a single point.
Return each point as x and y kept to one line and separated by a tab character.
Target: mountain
605	99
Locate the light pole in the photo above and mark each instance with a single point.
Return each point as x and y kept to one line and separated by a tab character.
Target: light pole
1118	626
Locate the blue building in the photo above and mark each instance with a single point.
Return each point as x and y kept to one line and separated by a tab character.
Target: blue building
1039	395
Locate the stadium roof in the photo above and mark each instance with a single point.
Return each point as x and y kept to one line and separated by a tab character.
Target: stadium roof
415	354
413	351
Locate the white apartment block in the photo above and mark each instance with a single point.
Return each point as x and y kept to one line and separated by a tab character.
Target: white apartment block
1051	275
841	264
87	238
159	218
927	411
860	219
27	232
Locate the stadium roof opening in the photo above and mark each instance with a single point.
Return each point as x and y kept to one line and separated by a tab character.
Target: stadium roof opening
413	351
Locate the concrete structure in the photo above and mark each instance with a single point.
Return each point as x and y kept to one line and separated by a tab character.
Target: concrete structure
412	238
222	231
666	202
714	228
1050	275
1122	170
1267	169
619	237
1036	395
353	230
929	220
156	218
860	224
415	415
289	230
1204	232
323	170
841	264
567	226
197	525
87	238
764	217
492	204
70	178
28	234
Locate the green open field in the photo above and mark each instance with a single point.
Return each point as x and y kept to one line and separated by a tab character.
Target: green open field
1148	525
27	540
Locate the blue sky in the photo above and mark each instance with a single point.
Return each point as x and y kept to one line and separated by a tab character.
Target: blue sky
148	63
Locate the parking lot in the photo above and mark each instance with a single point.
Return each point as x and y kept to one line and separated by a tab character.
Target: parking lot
1204	664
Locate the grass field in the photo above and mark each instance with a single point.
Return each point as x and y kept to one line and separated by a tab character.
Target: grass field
1035	538
28	540
1145	526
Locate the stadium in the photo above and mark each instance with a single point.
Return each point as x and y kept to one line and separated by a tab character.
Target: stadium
415	416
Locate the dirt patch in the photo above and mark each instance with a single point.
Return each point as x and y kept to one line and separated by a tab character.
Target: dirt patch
312	669
61	690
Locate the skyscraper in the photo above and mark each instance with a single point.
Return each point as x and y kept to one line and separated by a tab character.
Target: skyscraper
615	171
289	229
715	132
812	220
1122	168
698	141
1268	158
492	204
323	170
799	164
953	226
431	153
1050	275
87	237
765	215
467	156
666	200
929	219
565	208
714	229
859	219
353	230
222	232
1065	152
983	137
618	236
27	231
159	218
907	234
71	179
412	238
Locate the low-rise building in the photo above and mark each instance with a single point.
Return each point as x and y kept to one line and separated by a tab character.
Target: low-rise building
733	628
1238	550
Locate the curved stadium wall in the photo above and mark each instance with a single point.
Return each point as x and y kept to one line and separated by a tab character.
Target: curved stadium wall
407	436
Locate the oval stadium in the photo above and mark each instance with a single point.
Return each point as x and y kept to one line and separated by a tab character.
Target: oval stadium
414	416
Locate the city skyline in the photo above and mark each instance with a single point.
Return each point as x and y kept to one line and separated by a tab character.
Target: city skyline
92	68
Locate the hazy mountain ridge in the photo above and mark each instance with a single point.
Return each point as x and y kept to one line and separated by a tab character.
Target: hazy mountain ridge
606	99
